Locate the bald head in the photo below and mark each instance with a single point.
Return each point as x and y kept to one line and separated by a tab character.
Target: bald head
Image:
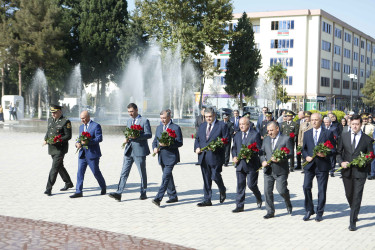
244	124
85	117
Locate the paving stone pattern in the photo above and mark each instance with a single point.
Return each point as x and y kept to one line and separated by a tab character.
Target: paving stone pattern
24	168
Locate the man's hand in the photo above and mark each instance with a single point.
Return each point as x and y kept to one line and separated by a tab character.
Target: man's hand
131	137
309	158
198	151
84	143
45	142
321	155
274	159
344	164
262	137
126	140
156	150
162	144
78	145
235	159
264	164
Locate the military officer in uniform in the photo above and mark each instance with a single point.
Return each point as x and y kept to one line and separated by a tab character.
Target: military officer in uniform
287	127
263	126
306	125
58	125
367	127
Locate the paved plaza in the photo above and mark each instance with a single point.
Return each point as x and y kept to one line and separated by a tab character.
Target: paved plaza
139	224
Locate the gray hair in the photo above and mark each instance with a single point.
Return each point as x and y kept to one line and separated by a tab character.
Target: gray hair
318	114
209	111
272	123
166	111
327	119
246	118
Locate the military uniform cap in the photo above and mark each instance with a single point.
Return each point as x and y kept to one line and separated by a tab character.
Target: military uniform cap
289	113
307	113
364	115
55	107
269	114
225	116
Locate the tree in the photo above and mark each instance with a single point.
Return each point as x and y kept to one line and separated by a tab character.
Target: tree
369	91
276	73
282	95
194	24
245	60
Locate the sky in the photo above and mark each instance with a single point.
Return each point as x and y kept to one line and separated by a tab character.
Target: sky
357	13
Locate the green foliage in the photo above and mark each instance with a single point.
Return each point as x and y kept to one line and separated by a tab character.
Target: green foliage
282	95
368	91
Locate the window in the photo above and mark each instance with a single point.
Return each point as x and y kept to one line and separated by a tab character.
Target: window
361	85
274	25
356	41
326	46
337	33
355	56
223	63
327	27
282	25
256	28
288	80
347	53
324	81
368	47
345	84
362	73
286	62
355	71
282	43
367	73
362	44
336	66
362	58
337	50
368	60
346	68
347	37
355	86
326	64
226	47
336	83
219	80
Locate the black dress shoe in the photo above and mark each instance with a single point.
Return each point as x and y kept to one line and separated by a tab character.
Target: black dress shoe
303	171
298	168
143	197
371	178
115	196
289	209
76	195
48	192
223	195
172	200
238	210
291	170
204	204
259	203
352	227
67	186
332	174
268	216
103	192
197	164
156	202
308	215
318	218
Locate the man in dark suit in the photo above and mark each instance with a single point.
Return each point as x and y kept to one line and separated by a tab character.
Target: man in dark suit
327	124
231	135
236	121
89	156
349	147
278	170
263	127
318	166
168	156
58	125
211	162
246	137
261	118
136	150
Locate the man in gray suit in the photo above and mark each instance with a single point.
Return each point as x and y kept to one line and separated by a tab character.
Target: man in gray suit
278	170
136	150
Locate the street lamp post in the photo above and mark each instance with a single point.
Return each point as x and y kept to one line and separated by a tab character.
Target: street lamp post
351	76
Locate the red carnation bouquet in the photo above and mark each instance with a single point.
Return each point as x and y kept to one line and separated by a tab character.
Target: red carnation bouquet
167	138
247	152
360	161
54	139
84	137
278	155
213	145
134	131
323	148
292	135
193	136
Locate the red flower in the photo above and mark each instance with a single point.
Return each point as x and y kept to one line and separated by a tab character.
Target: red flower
285	149
299	153
292	135
253	147
136	127
328	144
224	140
372	156
334	137
192	136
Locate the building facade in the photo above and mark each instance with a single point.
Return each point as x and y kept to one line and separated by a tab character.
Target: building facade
319	52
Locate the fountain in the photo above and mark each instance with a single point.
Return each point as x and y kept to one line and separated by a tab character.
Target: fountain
40	92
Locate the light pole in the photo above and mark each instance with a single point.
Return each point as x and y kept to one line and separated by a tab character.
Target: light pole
351	76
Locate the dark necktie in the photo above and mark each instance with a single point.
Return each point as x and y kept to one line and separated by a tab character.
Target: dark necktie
85	127
208	131
316	137
244	138
364	129
353	143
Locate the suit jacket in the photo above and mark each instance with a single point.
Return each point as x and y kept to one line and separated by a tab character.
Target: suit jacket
323	164
236	127
281	167
139	146
254	162
333	129
168	156
93	150
62	126
259	122
198	121
302	129
216	158
230	126
345	153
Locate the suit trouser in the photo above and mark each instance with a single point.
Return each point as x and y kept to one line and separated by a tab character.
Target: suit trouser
167	184
140	161
281	187
353	191
322	179
94	166
299	157
211	173
252	183
333	164
57	168
227	151
291	162
372	173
